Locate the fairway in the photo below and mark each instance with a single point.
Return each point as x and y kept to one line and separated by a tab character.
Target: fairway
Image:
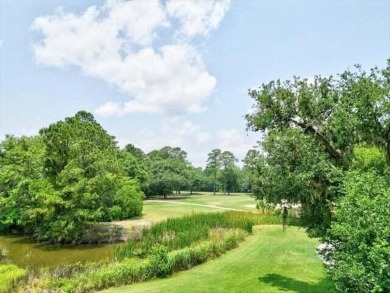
268	261
159	210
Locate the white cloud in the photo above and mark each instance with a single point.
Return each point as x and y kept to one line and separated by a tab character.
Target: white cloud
198	17
233	140
108	109
176	133
121	43
1	43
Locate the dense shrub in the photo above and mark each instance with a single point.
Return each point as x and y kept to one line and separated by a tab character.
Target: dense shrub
361	235
159	261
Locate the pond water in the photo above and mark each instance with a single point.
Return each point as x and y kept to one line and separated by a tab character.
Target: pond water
24	252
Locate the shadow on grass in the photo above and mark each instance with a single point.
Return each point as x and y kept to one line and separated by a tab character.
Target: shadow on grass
289	284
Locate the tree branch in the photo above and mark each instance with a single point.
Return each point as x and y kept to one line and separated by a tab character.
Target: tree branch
330	149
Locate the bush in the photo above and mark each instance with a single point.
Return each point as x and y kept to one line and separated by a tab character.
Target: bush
360	235
159	261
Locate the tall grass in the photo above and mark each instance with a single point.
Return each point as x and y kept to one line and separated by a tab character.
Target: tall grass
9	276
176	233
174	245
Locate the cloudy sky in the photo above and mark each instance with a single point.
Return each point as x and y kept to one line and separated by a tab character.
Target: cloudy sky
172	72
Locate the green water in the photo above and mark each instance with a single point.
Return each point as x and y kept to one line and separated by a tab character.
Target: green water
24	252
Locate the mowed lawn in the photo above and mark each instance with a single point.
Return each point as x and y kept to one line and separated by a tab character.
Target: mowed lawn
241	201
158	210
267	261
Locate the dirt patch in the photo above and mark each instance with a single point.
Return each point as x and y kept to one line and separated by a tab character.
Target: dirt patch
129	224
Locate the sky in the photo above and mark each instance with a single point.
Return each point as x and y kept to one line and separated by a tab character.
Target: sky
173	72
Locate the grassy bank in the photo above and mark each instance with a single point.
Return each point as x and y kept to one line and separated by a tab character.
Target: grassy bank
167	247
269	261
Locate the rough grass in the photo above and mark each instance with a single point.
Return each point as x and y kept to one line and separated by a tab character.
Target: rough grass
269	261
9	274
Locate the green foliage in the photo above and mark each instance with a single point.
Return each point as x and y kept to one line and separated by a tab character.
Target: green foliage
360	235
265	206
325	147
311	130
369	159
218	243
159	261
213	166
10	275
168	169
54	185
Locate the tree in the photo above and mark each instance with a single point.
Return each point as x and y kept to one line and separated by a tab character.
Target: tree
228	161
168	168
21	167
53	186
311	129
250	162
213	165
360	232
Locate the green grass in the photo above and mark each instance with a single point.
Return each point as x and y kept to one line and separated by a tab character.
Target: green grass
269	261
241	201
8	275
154	212
176	233
169	246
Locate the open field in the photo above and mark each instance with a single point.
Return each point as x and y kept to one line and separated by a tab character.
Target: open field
269	261
158	210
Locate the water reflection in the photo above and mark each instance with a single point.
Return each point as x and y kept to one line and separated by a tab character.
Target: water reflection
24	252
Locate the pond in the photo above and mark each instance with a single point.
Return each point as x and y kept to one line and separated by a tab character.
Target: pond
24	252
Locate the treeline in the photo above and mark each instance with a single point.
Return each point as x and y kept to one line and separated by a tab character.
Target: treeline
168	171
327	147
56	184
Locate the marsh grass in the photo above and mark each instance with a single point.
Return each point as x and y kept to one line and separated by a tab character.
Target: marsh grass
177	233
173	245
9	276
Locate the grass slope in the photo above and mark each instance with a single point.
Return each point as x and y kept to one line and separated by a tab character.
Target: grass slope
269	261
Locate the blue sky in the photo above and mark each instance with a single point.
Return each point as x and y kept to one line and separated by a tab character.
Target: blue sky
173	72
